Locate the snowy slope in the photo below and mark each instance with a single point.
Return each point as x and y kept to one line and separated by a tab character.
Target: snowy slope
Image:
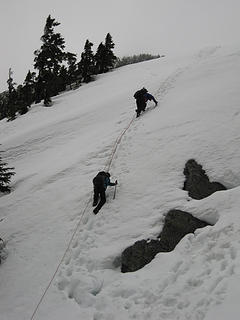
57	151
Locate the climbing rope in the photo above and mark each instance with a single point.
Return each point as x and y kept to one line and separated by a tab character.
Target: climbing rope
63	257
107	168
116	144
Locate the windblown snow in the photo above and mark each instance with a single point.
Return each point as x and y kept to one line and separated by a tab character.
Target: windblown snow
63	262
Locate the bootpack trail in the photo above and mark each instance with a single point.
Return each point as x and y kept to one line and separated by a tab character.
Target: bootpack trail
160	93
79	132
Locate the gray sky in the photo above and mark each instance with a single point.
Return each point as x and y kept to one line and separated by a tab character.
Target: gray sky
137	26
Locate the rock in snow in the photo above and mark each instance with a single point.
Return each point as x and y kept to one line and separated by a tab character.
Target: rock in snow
197	182
177	224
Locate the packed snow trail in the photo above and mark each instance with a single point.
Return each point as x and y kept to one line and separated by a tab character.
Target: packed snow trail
108	167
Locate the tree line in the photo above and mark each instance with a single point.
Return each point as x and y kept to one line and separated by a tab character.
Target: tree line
135	59
55	70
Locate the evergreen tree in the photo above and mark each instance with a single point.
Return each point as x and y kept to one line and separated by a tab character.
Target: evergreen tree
110	58
39	88
22	106
86	65
3	105
100	59
48	62
72	71
5	176
135	59
62	78
105	58
12	95
28	89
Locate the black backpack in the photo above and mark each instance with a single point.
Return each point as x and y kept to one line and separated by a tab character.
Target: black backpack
138	94
98	181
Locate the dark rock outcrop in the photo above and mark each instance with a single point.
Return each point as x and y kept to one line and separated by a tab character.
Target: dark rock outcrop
177	225
197	182
139	254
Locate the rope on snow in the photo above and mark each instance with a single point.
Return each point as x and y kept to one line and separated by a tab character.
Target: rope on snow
107	168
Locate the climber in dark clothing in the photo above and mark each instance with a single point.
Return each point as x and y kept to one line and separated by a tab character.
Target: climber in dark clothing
142	96
100	184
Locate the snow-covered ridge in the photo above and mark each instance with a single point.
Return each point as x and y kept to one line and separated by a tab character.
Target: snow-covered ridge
57	151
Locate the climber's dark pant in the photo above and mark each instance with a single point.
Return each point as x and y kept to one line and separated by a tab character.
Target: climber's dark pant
141	105
99	192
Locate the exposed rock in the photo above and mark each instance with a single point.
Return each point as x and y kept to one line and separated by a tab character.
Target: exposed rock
177	225
197	182
139	254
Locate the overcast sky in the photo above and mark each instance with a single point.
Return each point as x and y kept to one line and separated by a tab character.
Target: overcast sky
137	26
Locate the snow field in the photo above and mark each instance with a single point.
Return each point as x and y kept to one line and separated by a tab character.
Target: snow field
60	151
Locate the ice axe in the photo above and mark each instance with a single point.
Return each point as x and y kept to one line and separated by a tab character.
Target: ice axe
115	189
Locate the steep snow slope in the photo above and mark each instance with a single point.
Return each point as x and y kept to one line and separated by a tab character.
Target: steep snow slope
57	151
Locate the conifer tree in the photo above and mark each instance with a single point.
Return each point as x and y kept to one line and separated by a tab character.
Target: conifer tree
3	105
62	78
86	65
72	67
105	58
28	89
22	106
110	57
100	59
12	95
48	61
5	176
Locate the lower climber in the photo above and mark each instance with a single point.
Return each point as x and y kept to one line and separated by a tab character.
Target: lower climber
100	184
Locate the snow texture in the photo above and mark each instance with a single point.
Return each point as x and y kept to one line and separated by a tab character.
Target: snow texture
47	220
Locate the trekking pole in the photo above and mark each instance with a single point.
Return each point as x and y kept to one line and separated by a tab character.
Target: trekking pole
115	189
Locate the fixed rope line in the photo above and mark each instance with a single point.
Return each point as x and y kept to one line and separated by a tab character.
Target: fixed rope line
63	257
107	168
116	144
